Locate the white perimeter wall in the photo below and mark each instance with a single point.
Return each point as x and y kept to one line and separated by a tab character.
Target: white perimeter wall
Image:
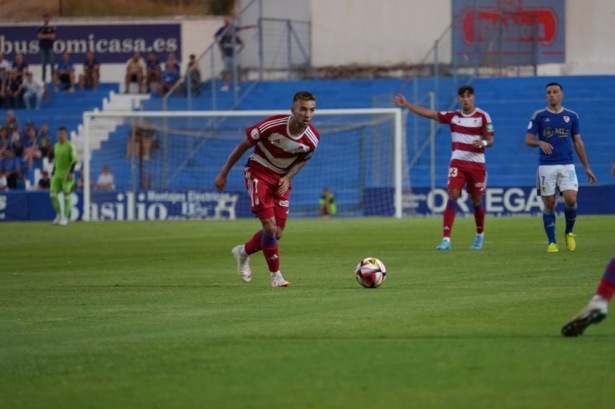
382	32
386	32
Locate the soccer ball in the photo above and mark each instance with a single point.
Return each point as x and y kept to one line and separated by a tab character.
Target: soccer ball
371	272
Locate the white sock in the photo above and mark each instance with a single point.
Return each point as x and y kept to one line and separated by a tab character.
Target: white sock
61	200
480	234
447	239
601	302
273	274
242	251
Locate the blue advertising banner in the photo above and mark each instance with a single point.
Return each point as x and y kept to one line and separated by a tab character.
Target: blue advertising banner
13	207
498	201
147	205
509	32
194	205
113	43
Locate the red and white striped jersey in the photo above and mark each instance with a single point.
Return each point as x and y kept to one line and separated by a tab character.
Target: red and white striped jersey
466	129
276	149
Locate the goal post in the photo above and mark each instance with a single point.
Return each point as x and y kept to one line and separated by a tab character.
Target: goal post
360	158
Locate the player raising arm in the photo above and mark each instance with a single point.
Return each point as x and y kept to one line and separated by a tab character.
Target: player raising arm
62	181
595	311
472	132
282	145
555	130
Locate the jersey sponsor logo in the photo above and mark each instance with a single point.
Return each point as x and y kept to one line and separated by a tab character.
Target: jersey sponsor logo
284	203
548	132
254	134
489	127
468	122
287	145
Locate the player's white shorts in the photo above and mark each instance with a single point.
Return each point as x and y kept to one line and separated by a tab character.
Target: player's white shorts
556	178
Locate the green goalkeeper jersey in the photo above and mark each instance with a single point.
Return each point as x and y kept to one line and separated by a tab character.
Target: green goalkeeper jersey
64	157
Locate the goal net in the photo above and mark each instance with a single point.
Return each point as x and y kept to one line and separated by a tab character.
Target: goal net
164	164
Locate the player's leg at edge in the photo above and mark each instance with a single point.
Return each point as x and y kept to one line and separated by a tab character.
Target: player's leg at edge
448	218
479	218
55	202
243	263
267	242
596	310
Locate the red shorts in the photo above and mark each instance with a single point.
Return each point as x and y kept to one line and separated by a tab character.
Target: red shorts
475	180
264	198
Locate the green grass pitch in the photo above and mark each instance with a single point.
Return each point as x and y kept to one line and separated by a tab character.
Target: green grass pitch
153	315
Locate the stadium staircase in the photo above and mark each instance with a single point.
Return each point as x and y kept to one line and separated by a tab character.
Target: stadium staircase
62	109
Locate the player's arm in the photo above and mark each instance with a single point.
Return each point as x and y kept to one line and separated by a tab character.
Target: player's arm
284	182
485	142
532	142
579	146
400	100
73	162
237	153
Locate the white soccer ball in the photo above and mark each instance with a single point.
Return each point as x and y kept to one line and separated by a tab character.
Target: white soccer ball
371	272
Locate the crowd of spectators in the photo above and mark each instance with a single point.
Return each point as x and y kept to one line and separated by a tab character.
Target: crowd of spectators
151	75
23	148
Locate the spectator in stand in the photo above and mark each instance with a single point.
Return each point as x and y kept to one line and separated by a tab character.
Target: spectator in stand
134	142
169	76
16	144
14	89
5	64
65	74
26	130
91	72
153	71
10	167
33	87
195	76
134	71
21	65
45	141
4	76
4	141
144	140
11	123
230	45
31	150
105	180
172	58
44	182
46	38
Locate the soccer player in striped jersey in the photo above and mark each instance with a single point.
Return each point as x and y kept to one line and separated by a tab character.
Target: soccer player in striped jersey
595	311
557	129
282	146
471	132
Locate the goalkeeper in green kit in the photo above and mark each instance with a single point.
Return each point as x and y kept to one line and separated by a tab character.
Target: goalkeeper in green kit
62	181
